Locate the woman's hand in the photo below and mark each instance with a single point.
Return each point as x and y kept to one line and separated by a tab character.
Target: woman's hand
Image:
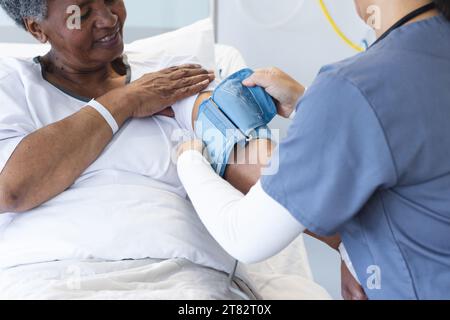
154	93
284	89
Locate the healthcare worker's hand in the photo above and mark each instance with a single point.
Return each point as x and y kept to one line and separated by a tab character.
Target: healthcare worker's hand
194	144
154	93
283	88
351	289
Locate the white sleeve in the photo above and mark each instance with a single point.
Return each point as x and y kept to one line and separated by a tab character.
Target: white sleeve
15	118
183	109
250	228
183	112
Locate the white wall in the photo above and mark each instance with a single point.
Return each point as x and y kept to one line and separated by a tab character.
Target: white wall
4	20
300	45
271	33
145	18
169	14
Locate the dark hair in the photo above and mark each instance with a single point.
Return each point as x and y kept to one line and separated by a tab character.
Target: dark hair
444	7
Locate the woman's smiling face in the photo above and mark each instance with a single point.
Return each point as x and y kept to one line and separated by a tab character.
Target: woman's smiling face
92	38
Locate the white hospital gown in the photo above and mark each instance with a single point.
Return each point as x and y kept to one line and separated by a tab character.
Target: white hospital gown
129	204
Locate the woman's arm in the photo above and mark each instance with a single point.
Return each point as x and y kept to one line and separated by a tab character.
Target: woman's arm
241	172
48	161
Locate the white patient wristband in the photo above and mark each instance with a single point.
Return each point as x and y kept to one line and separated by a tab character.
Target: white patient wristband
105	114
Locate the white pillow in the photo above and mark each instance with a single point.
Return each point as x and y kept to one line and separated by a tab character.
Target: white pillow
23	50
228	61
196	40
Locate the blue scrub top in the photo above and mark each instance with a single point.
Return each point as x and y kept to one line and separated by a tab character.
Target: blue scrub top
368	156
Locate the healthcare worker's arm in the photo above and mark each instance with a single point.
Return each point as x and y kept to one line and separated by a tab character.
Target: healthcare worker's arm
338	150
286	90
334	159
251	228
239	172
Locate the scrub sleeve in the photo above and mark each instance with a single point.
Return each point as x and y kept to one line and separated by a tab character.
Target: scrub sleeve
335	158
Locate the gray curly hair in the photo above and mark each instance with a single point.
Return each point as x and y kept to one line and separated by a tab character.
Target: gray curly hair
20	9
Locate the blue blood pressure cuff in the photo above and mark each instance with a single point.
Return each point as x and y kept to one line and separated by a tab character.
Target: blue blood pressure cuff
234	115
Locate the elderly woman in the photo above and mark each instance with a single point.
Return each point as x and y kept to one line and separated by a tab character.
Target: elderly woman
85	155
85	159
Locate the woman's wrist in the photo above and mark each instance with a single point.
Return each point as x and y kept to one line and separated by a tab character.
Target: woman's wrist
106	114
118	103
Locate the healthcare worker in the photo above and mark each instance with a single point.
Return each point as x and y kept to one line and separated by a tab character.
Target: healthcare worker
367	156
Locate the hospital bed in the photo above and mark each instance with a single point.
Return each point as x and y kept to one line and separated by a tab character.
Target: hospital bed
285	276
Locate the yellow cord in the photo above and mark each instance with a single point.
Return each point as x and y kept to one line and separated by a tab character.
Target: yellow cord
337	29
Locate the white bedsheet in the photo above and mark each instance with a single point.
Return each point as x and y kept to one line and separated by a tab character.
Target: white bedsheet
287	276
129	222
173	279
163	228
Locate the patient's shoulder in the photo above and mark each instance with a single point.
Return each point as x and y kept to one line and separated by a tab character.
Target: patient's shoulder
6	68
14	68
